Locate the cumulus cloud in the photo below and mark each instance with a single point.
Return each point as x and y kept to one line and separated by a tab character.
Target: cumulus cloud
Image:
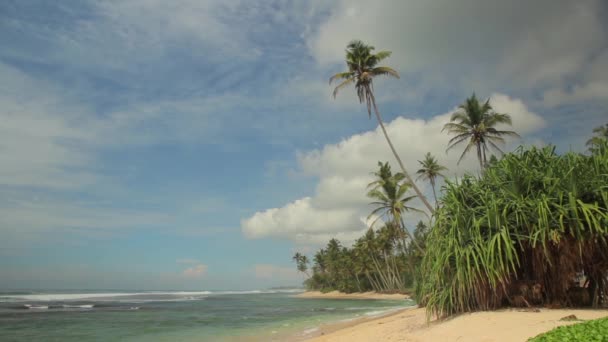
196	271
339	206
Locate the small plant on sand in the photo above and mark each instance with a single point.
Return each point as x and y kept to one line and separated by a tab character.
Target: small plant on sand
591	331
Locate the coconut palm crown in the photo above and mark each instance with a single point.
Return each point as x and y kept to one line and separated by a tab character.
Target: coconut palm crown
430	170
363	67
476	123
388	192
599	138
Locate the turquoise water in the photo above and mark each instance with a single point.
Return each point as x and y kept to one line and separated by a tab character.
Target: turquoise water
174	316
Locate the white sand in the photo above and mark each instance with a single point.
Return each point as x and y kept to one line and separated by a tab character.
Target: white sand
410	325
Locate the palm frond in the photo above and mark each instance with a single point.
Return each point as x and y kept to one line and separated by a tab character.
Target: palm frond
380	55
455	143
341	76
466	150
344	84
384	70
455	128
495	147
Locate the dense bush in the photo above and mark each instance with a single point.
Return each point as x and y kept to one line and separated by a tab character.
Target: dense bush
533	219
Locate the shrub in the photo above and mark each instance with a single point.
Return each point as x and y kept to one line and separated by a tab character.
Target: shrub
534	217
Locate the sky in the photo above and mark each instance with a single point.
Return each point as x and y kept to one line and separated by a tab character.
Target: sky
195	144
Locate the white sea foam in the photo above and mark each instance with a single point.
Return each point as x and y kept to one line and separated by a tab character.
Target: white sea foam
375	313
386	312
49	297
85	306
36	307
310	331
157	300
187	295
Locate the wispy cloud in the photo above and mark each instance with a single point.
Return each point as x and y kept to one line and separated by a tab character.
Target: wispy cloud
119	117
549	41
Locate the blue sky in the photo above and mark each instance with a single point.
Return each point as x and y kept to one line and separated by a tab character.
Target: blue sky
195	145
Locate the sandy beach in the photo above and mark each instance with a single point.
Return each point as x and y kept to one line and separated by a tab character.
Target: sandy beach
342	295
410	325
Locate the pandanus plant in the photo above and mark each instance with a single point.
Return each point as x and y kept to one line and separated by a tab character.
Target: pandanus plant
534	216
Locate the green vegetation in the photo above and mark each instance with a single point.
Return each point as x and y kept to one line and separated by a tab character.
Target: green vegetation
533	219
531	229
302	263
476	123
430	171
382	260
378	261
591	331
362	69
389	191
596	142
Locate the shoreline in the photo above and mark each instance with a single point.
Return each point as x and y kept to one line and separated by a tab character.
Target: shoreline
354	295
410	324
328	329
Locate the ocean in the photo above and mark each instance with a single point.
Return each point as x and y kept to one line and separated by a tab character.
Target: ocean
266	315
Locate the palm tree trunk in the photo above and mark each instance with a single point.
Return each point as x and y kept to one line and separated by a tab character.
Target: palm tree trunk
381	275
372	281
432	180
390	271
485	160
398	279
358	282
479	156
378	282
390	144
410	235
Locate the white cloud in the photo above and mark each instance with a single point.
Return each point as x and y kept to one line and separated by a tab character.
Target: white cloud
591	85
27	219
339	206
40	145
524	121
197	271
300	220
579	93
475	42
149	30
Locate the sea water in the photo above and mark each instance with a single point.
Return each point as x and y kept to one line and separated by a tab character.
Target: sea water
174	315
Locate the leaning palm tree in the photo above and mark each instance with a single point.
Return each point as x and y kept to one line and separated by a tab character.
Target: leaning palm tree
476	123
362	69
430	171
301	261
600	136
388	193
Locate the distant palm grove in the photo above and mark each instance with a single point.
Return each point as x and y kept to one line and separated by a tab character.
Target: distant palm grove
530	229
